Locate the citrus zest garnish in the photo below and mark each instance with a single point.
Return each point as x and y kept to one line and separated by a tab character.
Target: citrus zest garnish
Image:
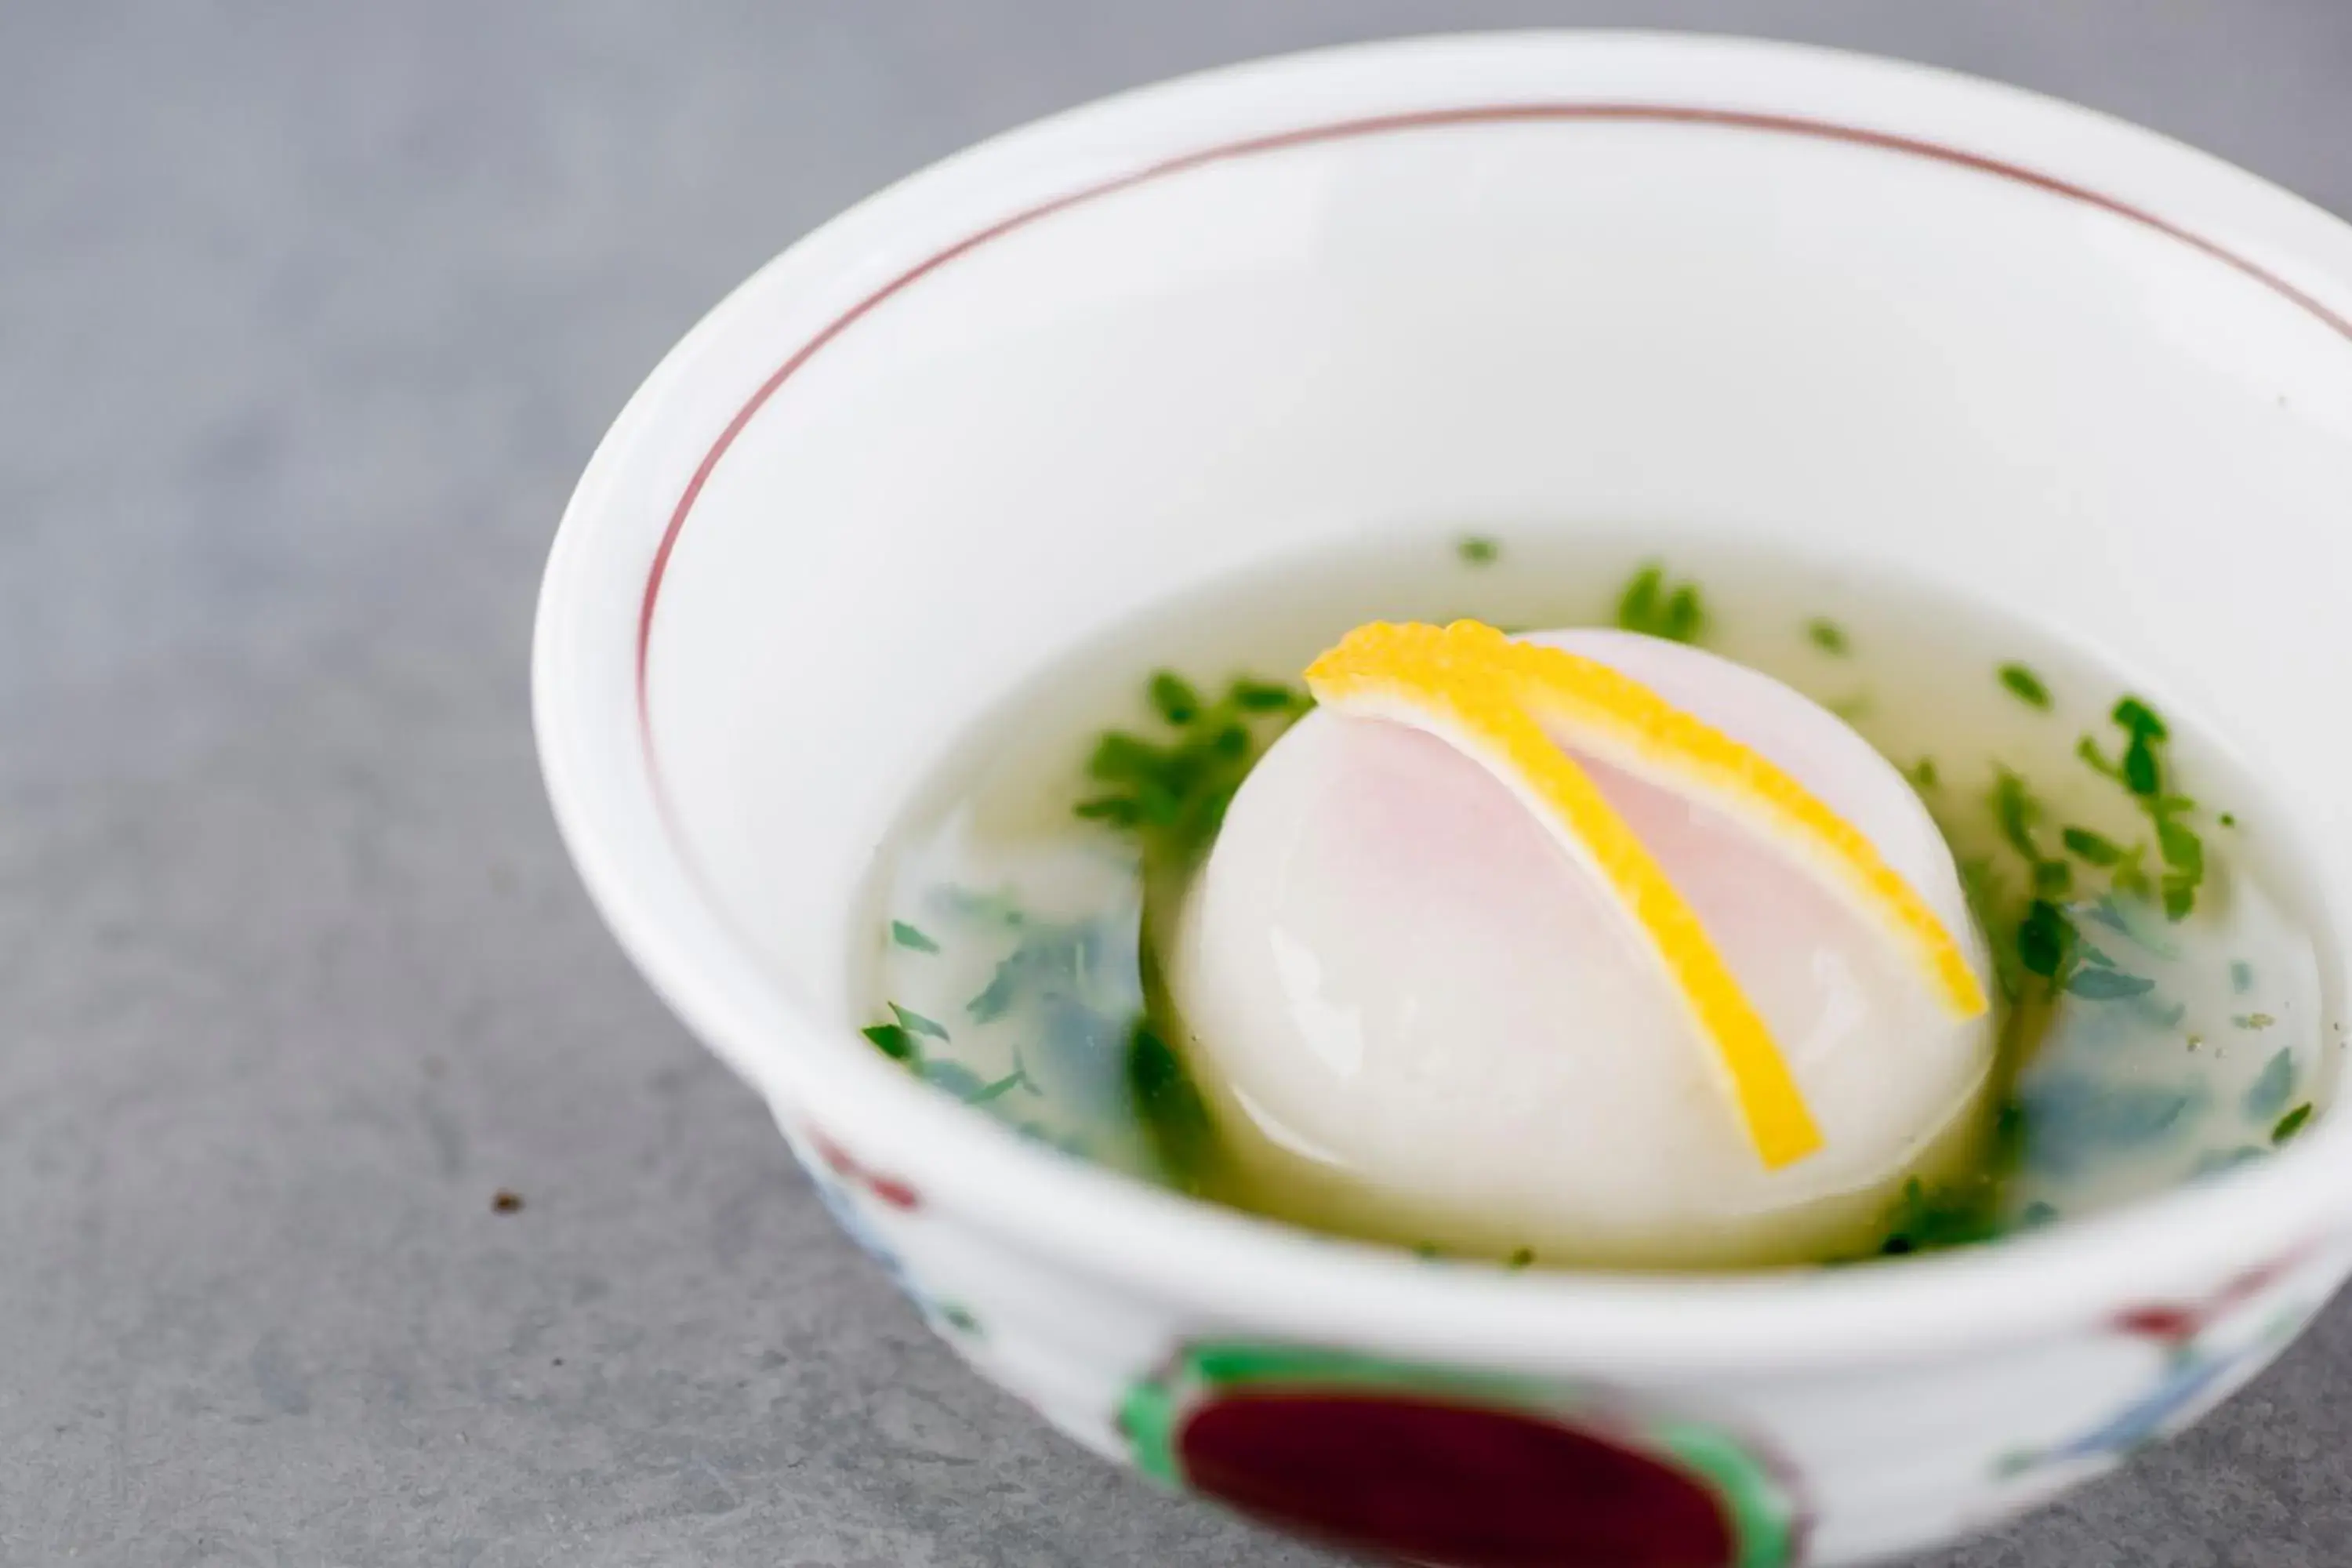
1617	719
1491	699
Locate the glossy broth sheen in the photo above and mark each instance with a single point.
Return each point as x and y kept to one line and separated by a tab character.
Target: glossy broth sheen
1016	955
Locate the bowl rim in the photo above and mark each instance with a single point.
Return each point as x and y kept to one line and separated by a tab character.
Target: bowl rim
611	551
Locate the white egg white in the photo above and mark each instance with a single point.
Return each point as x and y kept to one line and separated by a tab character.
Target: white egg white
1417	1018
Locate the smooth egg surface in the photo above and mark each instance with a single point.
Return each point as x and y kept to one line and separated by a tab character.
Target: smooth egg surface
1415	1017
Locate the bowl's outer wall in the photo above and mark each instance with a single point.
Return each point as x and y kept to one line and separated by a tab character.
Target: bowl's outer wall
1870	1462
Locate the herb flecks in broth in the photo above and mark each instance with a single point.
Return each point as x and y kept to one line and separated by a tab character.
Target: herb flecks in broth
2142	770
1966	1209
2266	1102
2151	1034
1656	607
2026	685
1172	791
892	1040
1175	1119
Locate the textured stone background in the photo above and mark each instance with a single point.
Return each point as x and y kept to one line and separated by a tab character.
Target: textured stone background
309	316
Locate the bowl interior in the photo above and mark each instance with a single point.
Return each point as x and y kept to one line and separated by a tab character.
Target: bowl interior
1775	332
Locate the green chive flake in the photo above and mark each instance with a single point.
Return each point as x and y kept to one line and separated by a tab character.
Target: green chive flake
891	1040
1649	605
2026	685
911	938
1477	551
2046	941
2291	1123
914	1022
2093	848
2095	984
1829	636
2014	807
2269	1094
1174	698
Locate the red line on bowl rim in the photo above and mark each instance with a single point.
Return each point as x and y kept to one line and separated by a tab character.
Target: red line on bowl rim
1669	115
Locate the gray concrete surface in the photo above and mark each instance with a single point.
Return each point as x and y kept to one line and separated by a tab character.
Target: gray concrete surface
309	316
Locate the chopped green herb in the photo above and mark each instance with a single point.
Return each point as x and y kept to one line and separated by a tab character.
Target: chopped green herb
1426	1251
1829	636
2106	985
1652	607
2241	976
2045	940
2053	879
2183	851
2253	1020
1521	1259
2269	1094
1175	1119
1267	697
2227	820
999	909
2141	770
1953	1213
891	1040
2024	685
987	1092
2138	717
2014	807
1923	773
953	1077
1968	1209
911	938
2091	848
1174	697
1477	551
2184	857
2132	919
1987	899
1173	794
2291	1123
914	1022
1054	963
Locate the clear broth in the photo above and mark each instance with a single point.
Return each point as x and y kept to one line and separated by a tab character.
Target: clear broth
1012	965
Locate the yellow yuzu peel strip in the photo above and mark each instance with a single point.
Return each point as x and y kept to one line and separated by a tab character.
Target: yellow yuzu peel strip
1462	691
1610	714
1488	696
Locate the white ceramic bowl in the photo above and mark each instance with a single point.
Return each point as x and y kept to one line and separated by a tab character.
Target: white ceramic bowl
1860	308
